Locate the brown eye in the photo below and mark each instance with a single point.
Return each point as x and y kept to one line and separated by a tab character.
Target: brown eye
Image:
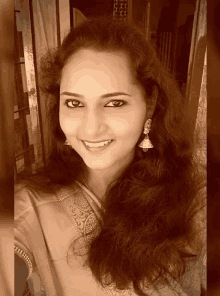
116	103
72	103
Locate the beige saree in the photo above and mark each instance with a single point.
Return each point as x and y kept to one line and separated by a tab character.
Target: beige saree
46	225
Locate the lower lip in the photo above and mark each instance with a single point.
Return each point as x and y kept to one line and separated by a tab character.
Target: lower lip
97	149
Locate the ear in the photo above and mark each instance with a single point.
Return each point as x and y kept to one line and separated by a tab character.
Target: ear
151	109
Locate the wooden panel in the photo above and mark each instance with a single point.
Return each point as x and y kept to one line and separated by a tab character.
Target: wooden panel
129	14
167	34
164	49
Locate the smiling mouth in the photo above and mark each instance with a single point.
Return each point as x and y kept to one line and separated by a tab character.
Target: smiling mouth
97	146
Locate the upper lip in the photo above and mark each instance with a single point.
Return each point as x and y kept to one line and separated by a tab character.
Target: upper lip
96	141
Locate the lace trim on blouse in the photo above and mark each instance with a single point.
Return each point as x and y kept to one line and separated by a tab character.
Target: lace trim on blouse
26	259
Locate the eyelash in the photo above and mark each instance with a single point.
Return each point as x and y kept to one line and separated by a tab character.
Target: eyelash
67	101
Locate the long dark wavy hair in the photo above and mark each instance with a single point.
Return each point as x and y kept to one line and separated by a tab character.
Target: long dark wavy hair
148	209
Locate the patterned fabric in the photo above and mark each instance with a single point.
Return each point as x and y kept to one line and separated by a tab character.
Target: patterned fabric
26	291
120	9
47	225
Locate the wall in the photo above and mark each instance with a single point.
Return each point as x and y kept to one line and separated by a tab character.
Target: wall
156	8
93	7
186	7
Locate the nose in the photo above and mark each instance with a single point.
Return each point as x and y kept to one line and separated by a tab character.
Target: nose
93	125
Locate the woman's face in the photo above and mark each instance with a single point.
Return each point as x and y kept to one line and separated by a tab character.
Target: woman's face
98	103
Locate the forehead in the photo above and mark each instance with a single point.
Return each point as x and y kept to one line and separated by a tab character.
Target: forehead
92	58
87	66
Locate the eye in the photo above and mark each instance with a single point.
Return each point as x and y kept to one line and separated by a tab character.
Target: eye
116	103
72	103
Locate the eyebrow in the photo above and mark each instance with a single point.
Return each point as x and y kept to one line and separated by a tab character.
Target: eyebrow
102	97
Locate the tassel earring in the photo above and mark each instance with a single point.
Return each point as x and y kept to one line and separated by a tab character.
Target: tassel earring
146	143
67	143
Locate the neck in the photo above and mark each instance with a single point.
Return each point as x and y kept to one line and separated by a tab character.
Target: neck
99	180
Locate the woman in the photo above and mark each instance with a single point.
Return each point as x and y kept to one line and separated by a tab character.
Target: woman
120	208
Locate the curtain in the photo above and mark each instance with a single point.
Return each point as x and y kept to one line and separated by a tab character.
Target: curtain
43	25
46	36
51	22
28	135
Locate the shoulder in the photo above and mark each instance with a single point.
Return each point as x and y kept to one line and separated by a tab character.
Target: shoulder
28	195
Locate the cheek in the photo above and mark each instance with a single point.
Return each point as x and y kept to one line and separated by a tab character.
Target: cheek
119	126
130	125
68	126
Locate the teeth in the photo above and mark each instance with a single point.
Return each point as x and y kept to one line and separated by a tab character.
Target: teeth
97	144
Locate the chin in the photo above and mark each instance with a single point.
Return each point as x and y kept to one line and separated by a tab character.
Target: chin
97	164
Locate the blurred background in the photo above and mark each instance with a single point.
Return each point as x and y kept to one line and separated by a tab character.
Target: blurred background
7	88
176	28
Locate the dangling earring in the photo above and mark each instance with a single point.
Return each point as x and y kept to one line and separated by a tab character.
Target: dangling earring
146	143
67	143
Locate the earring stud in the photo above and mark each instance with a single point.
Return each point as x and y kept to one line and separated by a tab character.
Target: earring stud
67	143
